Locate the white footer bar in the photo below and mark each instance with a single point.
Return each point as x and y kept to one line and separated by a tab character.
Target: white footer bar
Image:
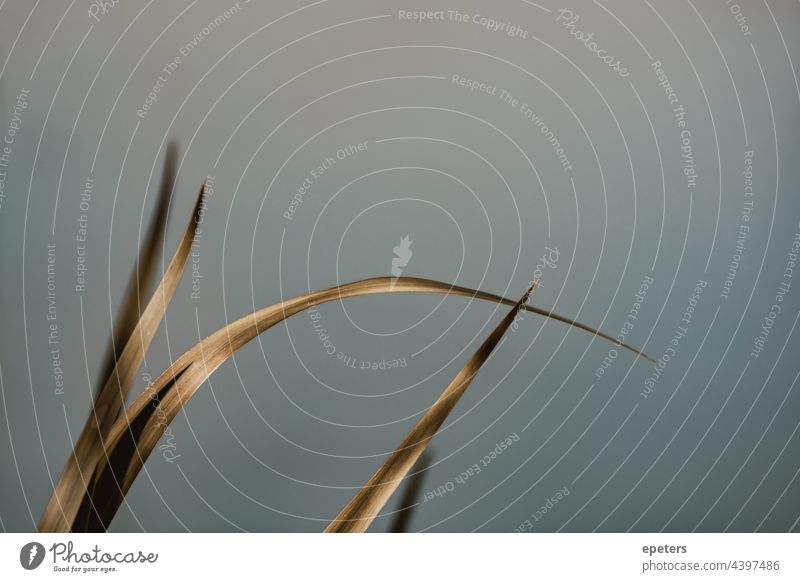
118	557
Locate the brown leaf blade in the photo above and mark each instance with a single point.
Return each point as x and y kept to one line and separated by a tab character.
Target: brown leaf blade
61	510
136	433
359	512
130	308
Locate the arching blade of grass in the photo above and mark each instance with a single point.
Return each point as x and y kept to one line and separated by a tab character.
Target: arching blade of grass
60	513
133	437
358	514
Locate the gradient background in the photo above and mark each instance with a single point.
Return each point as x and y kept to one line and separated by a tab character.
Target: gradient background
282	435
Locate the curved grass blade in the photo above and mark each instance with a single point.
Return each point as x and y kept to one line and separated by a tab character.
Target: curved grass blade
60	513
136	433
358	514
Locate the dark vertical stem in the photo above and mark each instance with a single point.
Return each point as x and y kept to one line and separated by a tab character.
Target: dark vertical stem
136	292
411	494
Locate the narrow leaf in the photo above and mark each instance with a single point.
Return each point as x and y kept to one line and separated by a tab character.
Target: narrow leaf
130	308
408	502
358	514
135	434
60	513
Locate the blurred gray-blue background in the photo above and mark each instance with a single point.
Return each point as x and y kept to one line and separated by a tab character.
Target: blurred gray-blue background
640	157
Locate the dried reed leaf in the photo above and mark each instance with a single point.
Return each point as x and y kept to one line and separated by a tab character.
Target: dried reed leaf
130	308
358	514
138	430
60	513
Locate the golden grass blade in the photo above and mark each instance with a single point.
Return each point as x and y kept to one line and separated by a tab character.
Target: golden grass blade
135	434
60	513
411	493
358	514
